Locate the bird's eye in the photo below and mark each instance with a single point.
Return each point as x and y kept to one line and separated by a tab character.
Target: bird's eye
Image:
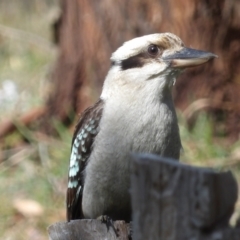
153	50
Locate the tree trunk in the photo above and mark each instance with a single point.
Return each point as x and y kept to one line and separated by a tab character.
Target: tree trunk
88	31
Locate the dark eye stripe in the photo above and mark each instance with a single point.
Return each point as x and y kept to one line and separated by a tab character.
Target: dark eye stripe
136	61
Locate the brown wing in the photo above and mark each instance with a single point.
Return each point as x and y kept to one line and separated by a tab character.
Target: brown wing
85	132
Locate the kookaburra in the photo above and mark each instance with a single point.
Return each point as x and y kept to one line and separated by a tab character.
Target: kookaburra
135	113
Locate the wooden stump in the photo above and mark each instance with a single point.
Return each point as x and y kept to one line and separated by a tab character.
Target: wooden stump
174	201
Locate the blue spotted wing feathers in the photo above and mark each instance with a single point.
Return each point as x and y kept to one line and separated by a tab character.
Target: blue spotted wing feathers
83	138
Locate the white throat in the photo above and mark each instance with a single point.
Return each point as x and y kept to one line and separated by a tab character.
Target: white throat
143	83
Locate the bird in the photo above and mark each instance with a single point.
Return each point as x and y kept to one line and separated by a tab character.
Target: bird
135	113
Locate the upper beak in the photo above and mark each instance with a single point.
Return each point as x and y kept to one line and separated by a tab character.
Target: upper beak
188	57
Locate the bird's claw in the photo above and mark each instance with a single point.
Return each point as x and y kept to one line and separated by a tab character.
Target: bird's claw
109	223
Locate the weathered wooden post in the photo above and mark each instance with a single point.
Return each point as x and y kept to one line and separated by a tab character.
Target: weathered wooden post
173	201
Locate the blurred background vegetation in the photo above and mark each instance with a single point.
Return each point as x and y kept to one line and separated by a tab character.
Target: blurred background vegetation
33	171
34	166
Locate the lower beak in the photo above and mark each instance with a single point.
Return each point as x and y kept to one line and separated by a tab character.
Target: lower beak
188	57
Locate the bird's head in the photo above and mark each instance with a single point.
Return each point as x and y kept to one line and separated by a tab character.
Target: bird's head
152	61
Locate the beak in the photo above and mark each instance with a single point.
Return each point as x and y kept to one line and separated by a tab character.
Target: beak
188	57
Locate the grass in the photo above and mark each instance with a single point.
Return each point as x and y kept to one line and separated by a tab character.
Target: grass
35	172
202	147
199	143
38	171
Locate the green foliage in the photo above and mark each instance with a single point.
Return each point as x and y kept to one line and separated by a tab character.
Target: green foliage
200	144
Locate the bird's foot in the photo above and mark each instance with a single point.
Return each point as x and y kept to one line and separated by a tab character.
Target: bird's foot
109	223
